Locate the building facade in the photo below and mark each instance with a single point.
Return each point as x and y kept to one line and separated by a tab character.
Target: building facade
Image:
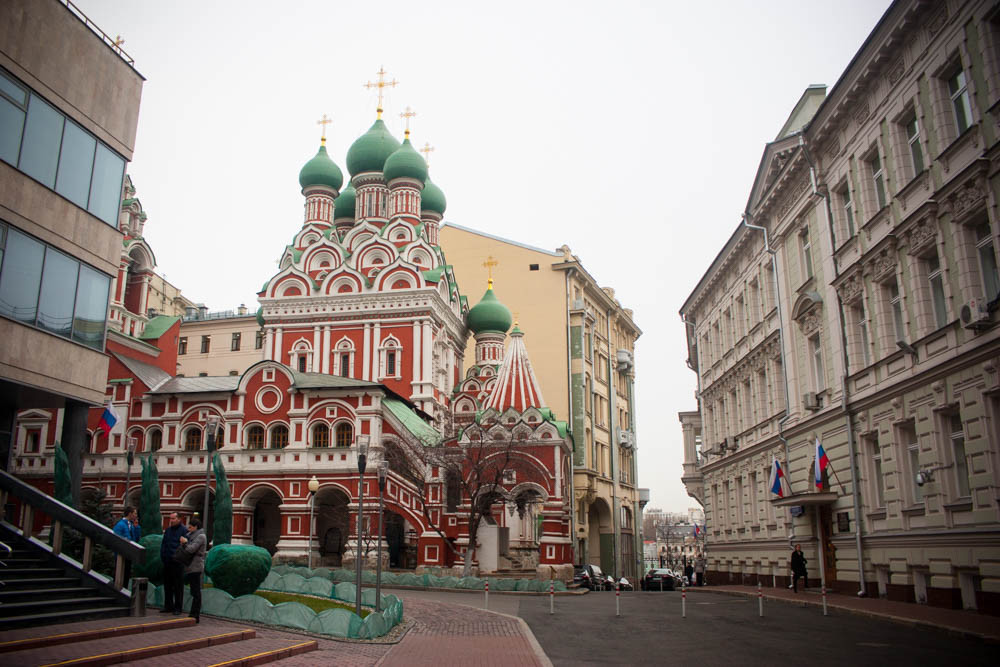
586	363
70	117
854	306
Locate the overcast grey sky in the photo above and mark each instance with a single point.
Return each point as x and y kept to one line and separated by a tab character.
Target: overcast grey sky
629	131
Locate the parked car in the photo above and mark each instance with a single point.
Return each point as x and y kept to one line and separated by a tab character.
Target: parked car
625	585
590	576
660	578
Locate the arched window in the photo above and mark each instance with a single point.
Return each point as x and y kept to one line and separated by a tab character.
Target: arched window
255	437
88	444
279	437
155	440
345	434
192	439
321	435
390	358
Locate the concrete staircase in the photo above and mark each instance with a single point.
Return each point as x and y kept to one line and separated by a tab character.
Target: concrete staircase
38	588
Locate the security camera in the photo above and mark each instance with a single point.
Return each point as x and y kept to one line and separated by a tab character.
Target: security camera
923	477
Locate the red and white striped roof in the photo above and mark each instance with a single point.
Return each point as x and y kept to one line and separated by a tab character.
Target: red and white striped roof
516	386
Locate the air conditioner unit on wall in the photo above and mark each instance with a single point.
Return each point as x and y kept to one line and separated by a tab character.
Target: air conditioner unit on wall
810	401
623	437
975	314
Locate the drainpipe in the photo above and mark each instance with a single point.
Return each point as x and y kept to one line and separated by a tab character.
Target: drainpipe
781	331
844	397
615	509
636	508
572	462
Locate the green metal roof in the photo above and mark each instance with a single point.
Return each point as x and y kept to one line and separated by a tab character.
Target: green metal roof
433	275
420	429
324	380
158	326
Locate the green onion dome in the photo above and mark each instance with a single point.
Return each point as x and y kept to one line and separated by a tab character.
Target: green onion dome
489	314
321	171
371	149
260	315
432	198
343	206
405	163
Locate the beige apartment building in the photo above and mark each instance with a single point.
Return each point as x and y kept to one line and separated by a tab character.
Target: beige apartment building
856	305
582	346
70	104
218	343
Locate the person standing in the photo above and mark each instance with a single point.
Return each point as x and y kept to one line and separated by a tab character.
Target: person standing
195	544
173	572
128	528
699	570
799	569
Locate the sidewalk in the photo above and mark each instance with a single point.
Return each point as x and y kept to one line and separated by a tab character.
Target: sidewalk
965	623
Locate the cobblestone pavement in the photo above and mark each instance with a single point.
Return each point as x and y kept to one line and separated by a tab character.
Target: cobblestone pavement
726	630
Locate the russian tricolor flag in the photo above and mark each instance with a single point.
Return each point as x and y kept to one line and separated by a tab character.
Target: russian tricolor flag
822	461
108	419
776	475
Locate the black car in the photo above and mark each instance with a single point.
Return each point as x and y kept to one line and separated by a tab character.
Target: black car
659	579
591	577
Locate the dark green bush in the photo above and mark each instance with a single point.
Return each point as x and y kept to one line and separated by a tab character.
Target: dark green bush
236	568
152	567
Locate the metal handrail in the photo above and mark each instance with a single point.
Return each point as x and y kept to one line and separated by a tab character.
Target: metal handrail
64	515
100	33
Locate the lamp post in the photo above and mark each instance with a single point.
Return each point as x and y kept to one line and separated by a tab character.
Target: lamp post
212	425
313	488
129	459
383	471
362	461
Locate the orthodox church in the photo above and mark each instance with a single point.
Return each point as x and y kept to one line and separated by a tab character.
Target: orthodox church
364	335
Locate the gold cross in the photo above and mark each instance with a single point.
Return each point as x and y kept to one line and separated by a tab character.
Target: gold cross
489	264
408	114
118	40
380	84
323	122
427	150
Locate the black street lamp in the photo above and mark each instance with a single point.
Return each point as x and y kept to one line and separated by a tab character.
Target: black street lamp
313	488
383	471
129	460
362	441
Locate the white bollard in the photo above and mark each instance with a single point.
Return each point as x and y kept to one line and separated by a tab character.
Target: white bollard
552	597
684	595
487	595
824	601
618	600
760	601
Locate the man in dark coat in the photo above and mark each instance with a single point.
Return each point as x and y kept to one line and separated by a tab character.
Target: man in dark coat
799	569
173	572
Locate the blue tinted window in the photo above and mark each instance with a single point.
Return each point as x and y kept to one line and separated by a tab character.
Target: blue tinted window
91	307
75	164
106	189
11	127
42	136
55	305
20	276
15	92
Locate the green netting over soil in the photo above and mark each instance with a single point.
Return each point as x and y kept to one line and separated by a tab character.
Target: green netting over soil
432	579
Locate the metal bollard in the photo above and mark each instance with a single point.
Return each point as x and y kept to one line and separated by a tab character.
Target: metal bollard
140	586
760	601
684	595
487	594
552	597
618	599
824	601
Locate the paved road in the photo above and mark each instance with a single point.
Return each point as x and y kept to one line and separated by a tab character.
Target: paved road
723	630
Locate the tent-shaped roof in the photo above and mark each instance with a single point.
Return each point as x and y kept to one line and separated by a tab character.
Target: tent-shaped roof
516	386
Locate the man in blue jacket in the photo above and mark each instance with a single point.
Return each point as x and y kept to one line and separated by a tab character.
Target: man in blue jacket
128	527
173	572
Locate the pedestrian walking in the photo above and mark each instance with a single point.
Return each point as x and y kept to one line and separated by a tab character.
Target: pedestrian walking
799	569
194	546
699	570
173	571
128	527
689	573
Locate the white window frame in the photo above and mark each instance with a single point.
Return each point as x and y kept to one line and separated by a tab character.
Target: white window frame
960	458
987	260
958	93
935	282
805	246
816	362
876	169
913	141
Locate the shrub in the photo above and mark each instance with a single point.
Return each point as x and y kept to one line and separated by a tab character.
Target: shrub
237	569
152	566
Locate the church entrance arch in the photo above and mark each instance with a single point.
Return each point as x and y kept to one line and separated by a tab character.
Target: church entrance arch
332	525
265	528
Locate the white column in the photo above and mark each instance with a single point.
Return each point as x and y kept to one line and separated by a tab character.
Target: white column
316	350
269	344
144	295
376	342
277	345
366	373
427	355
416	351
325	350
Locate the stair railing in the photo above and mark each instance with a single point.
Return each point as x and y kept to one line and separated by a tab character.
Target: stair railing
62	515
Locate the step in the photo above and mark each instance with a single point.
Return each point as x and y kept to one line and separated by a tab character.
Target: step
258	651
40	582
62	616
130	649
26	561
78	636
8	610
48	593
9	573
